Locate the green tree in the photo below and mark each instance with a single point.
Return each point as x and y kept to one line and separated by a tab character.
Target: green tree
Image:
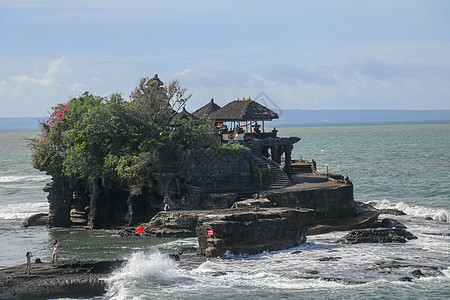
91	137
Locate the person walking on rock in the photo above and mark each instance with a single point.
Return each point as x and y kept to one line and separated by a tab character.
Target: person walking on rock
29	255
55	251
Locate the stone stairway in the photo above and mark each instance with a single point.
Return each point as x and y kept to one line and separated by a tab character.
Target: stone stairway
301	168
278	178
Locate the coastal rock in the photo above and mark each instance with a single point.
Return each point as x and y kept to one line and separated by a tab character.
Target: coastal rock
64	279
376	235
366	217
259	202
392	211
59	197
390	223
251	231
40	219
331	202
180	223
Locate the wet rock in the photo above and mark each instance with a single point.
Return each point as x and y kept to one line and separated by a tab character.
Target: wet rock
174	257
40	219
390	223
185	250
392	211
406	278
219	273
63	279
417	273
343	280
376	235
329	258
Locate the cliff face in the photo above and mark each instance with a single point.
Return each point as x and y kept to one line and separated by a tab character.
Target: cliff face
60	201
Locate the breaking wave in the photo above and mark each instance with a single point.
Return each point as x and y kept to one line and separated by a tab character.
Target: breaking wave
441	215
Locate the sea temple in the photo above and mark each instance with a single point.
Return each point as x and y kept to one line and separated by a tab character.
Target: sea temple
247	196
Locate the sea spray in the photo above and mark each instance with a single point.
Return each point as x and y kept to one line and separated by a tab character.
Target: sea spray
23	210
436	214
152	270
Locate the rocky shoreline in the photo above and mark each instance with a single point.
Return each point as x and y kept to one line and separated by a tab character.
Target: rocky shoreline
217	231
62	279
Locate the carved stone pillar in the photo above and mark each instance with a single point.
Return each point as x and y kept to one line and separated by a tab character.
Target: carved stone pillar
287	160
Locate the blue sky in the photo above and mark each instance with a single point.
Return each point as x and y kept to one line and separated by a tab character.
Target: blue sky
301	54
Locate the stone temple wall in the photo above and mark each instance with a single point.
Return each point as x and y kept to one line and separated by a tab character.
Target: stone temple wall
219	171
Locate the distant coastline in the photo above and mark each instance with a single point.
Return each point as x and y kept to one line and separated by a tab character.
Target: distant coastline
299	117
328	116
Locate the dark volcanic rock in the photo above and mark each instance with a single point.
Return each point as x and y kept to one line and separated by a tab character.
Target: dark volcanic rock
176	223
392	211
366	217
63	279
330	258
251	231
263	202
390	223
376	235
40	219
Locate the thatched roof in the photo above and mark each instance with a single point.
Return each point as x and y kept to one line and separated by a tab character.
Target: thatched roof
183	115
244	110
155	80
206	110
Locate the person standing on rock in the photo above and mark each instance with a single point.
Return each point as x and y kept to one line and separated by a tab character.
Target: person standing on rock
55	251
29	255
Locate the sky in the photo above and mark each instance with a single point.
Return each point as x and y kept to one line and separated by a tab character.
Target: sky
304	54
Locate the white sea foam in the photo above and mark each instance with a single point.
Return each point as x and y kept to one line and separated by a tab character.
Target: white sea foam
24	178
441	215
22	210
146	269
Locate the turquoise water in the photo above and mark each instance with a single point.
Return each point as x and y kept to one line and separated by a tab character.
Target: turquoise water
405	166
400	163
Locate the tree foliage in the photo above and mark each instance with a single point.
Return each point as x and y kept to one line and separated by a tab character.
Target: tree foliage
91	137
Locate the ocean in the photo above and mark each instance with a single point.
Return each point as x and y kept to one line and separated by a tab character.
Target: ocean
404	166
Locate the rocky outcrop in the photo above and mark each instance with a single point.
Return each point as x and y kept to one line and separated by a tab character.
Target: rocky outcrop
377	235
389	223
251	231
181	223
392	211
40	219
366	217
250	203
64	279
59	197
334	201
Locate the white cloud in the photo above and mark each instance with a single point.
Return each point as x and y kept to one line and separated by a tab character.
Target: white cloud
23	95
77	88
